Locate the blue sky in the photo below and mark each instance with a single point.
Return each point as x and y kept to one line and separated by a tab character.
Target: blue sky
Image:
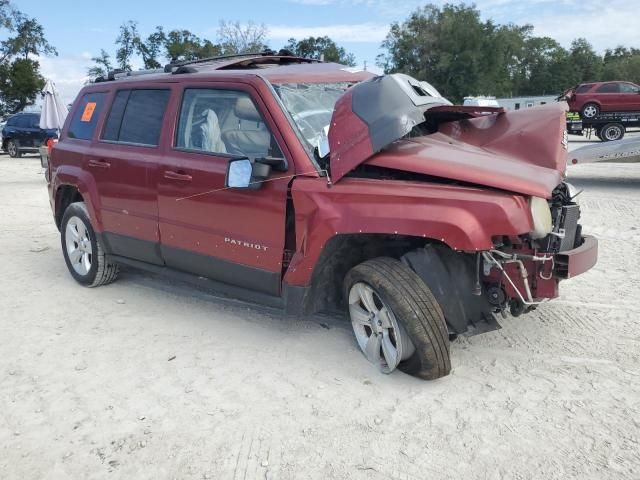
80	29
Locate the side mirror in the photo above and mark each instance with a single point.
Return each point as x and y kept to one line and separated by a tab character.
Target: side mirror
241	173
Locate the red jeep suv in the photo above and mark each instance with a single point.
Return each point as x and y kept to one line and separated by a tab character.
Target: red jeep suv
311	186
592	98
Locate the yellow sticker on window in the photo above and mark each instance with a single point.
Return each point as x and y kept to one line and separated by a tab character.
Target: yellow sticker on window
88	112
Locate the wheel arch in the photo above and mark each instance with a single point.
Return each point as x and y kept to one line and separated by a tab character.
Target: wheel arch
65	196
341	253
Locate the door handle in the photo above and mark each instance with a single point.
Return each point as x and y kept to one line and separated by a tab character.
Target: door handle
171	175
99	163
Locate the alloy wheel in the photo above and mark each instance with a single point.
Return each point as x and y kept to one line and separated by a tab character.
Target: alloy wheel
12	148
78	244
590	111
380	336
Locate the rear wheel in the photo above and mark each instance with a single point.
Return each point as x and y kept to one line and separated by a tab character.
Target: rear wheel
396	320
12	149
611	132
82	251
590	110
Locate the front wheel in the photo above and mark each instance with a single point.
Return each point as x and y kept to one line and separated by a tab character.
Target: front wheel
82	251
396	319
12	149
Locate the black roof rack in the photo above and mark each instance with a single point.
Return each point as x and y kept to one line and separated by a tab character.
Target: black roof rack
283	54
186	66
120	73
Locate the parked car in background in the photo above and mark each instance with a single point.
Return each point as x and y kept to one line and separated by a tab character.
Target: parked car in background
22	134
590	99
299	184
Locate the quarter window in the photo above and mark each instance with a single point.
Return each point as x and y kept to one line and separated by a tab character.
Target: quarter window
86	115
224	122
136	117
629	88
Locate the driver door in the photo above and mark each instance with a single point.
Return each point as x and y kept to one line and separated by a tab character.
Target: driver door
232	236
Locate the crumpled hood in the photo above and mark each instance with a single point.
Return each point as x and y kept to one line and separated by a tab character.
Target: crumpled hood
522	151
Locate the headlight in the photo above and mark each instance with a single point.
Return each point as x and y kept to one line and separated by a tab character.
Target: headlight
541	213
573	192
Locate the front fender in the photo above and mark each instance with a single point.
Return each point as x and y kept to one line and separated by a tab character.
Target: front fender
463	218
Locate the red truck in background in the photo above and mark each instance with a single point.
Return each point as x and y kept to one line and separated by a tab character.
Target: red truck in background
310	186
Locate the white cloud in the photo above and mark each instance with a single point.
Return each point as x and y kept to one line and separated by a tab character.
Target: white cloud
68	72
362	32
608	26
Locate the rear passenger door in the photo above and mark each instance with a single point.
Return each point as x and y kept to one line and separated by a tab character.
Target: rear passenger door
124	163
233	236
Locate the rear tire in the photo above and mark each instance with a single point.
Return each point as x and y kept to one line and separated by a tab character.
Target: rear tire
611	132
413	306
12	149
590	110
82	251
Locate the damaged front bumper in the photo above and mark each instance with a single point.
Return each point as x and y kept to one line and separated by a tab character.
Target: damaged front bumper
472	288
527	278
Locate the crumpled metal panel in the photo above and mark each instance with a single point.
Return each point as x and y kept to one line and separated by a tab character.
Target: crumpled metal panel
521	151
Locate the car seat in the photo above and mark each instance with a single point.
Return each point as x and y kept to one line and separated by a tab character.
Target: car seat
253	143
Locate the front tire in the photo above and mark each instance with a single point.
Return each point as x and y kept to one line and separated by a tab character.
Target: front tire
396	319
82	251
12	149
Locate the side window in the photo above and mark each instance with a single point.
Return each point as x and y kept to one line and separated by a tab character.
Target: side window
86	116
136	117
609	88
629	88
584	88
22	121
12	122
223	121
34	121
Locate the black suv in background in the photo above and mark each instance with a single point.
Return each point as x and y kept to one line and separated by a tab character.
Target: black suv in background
22	133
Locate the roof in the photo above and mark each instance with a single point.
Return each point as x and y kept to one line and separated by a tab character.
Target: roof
274	68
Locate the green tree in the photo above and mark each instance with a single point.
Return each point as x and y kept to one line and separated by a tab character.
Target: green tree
182	45
451	47
586	62
102	65
127	42
320	47
151	48
447	46
621	63
20	78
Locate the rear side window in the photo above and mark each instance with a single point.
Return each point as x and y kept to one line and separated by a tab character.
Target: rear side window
584	88
12	122
136	117
85	118
609	88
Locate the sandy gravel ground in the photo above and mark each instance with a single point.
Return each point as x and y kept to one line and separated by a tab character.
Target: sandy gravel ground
149	379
